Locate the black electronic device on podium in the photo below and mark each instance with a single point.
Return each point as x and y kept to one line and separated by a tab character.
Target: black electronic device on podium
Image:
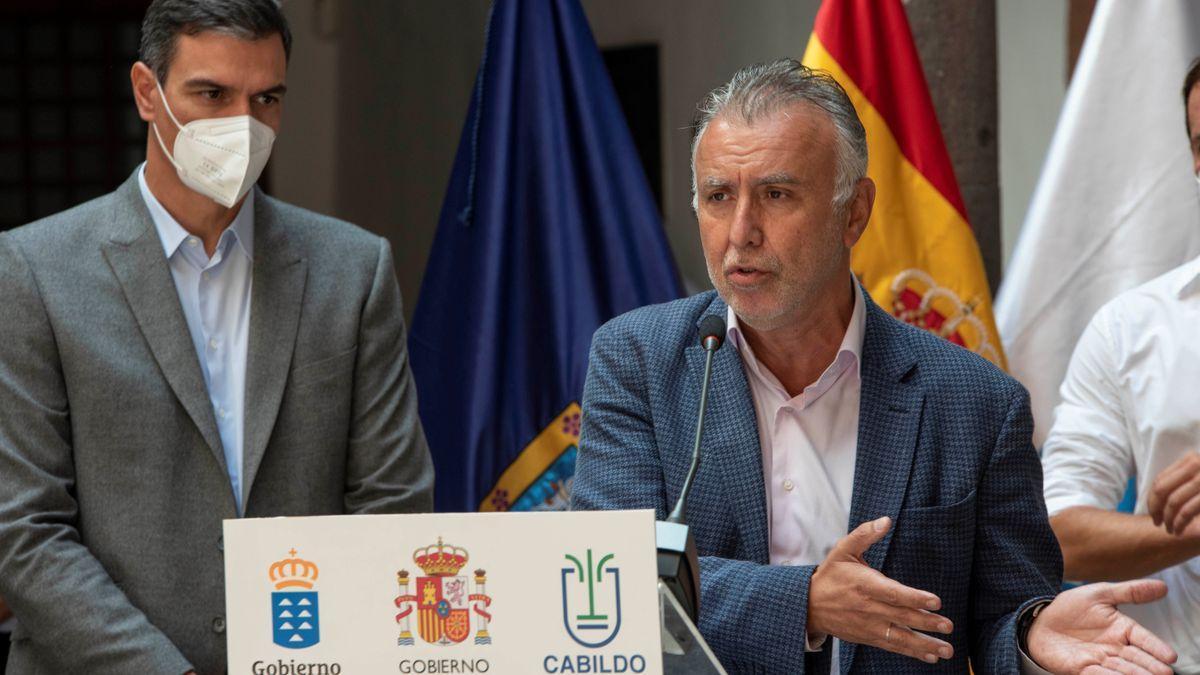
684	650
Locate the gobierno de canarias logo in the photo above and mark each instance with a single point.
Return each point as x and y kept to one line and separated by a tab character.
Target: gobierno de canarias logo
295	619
442	600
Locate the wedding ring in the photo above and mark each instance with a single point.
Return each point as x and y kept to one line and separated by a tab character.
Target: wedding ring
888	635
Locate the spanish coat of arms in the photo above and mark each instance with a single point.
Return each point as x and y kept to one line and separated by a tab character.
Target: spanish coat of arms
442	600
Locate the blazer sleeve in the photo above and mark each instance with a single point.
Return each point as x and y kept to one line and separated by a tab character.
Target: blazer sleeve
1017	560
388	467
65	601
753	616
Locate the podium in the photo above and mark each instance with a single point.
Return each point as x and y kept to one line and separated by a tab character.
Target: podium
517	593
684	651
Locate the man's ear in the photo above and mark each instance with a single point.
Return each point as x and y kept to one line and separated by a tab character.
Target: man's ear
143	80
859	211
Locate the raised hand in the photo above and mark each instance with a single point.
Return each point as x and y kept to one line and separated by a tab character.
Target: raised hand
1082	632
850	600
1175	496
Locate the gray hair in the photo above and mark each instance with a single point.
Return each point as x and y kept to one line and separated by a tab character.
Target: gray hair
245	19
763	89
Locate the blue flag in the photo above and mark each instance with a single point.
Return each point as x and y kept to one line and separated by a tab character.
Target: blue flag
548	230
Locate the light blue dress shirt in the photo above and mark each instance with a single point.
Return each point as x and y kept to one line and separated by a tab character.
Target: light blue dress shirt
215	294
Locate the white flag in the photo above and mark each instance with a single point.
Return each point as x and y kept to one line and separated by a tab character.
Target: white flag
1116	204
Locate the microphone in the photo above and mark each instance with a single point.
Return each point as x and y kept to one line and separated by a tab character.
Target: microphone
712	336
678	565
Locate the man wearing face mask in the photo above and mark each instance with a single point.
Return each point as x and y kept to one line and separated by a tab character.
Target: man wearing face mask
1131	408
184	350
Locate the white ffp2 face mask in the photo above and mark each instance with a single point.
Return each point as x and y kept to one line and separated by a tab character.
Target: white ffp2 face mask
222	157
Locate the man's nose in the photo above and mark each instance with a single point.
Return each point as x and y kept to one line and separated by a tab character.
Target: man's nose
746	230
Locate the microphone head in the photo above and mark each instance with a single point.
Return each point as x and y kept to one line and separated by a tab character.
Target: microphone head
712	327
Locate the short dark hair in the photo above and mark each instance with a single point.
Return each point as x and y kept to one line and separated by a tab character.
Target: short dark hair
1189	82
246	19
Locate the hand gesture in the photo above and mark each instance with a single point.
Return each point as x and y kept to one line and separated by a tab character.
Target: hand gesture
1082	632
1175	496
850	600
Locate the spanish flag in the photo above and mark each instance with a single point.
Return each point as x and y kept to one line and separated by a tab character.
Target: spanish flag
918	257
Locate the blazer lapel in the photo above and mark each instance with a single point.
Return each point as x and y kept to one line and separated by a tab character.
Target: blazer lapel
888	424
275	298
135	254
731	440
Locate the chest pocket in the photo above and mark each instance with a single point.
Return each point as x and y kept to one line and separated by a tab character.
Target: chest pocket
938	516
933	546
320	370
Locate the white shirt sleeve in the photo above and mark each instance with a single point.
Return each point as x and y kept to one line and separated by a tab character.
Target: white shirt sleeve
1087	459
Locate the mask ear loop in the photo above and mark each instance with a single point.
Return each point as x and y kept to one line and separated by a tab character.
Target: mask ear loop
163	98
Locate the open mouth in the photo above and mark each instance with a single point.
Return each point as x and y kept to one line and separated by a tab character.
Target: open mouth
745	276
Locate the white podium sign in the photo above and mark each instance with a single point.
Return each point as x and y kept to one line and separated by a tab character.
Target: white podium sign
495	593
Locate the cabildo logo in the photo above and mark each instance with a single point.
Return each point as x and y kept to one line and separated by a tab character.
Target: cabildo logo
591	609
591	628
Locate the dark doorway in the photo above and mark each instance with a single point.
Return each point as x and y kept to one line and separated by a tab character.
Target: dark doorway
68	127
634	73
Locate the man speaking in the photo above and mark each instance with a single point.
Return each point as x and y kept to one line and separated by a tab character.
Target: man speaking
182	351
825	411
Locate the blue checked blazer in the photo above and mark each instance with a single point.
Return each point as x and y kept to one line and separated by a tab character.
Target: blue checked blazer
943	448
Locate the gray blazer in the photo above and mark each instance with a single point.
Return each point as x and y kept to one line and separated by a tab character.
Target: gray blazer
112	477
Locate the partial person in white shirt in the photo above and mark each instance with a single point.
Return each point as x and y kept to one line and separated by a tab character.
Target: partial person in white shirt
1131	409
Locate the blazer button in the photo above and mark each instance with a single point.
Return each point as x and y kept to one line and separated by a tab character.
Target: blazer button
219	625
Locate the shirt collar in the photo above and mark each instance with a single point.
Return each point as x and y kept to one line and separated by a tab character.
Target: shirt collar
1190	281
171	233
849	352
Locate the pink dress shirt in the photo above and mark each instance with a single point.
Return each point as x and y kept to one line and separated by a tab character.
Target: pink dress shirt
808	446
809	443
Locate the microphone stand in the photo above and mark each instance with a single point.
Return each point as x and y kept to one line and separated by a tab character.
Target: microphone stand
677	515
678	564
